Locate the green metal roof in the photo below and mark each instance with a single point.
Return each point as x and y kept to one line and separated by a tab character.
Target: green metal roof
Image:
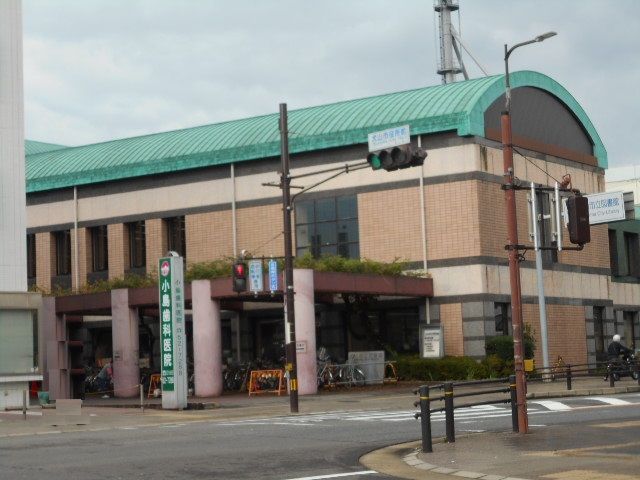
31	147
452	107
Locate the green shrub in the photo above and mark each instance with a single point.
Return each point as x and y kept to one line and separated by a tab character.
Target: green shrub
209	270
502	346
336	263
440	369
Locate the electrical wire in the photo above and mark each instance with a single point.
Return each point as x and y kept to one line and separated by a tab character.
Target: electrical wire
532	163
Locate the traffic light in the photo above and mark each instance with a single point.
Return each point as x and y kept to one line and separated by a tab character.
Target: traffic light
578	213
239	277
403	156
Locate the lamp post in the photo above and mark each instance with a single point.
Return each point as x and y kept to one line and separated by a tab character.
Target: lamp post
512	247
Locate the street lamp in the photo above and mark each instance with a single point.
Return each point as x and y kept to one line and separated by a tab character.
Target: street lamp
512	247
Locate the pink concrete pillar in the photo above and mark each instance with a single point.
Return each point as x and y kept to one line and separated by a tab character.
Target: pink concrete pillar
124	333
53	357
305	311
207	340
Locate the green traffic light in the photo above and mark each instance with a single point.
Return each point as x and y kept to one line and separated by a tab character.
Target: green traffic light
374	161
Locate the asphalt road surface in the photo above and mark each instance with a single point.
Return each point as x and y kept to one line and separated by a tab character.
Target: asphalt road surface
314	446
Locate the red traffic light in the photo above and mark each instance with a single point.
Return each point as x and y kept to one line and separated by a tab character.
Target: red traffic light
239	269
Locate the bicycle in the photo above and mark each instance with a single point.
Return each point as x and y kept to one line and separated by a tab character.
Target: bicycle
351	375
558	370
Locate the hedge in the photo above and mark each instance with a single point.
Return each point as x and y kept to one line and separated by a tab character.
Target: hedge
440	369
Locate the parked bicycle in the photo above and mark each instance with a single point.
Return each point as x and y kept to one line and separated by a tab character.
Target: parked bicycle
350	375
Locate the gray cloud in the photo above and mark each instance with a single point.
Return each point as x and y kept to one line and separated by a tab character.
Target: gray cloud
109	69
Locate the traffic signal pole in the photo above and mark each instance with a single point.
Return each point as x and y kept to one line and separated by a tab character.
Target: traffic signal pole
285	184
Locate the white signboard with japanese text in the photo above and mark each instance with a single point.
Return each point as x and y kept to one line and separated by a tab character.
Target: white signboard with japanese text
389	138
173	341
606	207
432	342
256	280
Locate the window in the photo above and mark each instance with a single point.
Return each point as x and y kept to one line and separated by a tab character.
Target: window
328	226
99	249
613	253
137	245
502	317
31	255
632	250
63	252
176	237
598	331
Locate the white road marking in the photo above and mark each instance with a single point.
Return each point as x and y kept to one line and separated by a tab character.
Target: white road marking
336	475
552	405
610	400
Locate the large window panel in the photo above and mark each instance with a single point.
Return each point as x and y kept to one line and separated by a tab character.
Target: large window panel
63	252
99	249
137	244
18	342
31	255
176	235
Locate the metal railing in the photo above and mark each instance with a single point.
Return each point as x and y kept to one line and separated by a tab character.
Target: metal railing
449	406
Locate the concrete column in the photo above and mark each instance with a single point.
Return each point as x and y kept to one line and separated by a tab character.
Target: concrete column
305	312
207	340
124	332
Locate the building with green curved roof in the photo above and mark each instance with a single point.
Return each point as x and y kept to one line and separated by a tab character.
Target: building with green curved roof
102	211
457	107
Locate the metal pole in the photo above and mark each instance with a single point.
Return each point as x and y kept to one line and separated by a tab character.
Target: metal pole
569	377
425	417
542	303
285	183
514	403
24	404
142	397
448	409
514	266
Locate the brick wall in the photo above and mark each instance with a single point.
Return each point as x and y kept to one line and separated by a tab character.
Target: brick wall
389	224
259	230
45	259
118	249
451	320
566	327
209	236
156	237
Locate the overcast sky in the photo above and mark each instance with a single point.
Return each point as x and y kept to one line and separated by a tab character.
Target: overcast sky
102	69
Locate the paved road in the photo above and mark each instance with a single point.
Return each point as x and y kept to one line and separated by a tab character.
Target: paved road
319	445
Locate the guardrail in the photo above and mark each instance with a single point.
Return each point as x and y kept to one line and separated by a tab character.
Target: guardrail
449	407
570	371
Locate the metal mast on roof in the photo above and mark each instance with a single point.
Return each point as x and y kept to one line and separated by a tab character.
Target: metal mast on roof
451	43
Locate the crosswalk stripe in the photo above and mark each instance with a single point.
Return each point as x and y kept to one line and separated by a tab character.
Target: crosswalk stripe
609	400
552	405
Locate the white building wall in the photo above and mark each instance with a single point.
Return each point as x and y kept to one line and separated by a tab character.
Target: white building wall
13	251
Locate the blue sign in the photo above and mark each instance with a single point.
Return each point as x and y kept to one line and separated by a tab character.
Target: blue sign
273	275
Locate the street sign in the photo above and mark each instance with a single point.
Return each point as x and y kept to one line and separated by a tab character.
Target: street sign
606	207
173	342
389	138
256	282
273	275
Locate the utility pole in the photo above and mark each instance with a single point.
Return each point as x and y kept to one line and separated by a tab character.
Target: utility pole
510	187
285	184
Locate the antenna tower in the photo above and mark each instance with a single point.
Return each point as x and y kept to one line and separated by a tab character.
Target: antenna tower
451	43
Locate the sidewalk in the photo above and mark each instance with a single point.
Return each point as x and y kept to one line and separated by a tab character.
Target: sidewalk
595	450
581	451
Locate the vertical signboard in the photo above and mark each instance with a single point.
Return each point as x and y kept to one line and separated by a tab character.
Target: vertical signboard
273	275
256	282
173	346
